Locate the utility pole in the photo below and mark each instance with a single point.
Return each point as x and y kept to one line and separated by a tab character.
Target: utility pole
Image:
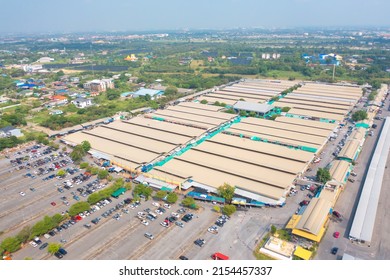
334	70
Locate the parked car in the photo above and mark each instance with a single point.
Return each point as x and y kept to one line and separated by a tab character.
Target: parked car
336	214
149	235
336	234
334	250
43	246
200	242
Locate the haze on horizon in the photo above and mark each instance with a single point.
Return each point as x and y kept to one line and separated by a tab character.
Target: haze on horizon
24	16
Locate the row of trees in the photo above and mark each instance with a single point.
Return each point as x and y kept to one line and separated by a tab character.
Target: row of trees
13	243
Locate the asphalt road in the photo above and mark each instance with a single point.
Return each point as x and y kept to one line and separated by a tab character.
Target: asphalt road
347	204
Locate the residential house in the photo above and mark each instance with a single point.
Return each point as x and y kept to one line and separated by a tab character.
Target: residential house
56	112
82	102
10	131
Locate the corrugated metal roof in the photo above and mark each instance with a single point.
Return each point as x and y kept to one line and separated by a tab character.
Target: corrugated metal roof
253	107
339	170
350	149
364	220
315	216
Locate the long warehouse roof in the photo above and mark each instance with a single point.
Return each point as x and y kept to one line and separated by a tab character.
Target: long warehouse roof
242	94
111	148
261	147
307	123
212	100
282	104
185	122
267	160
252	92
169	137
324	100
230	97
314	216
315	114
288	127
363	223
358	134
191	117
344	91
313	102
326	95
257	128
248	170
350	149
216	178
252	89
203	113
200	106
276	139
165	126
339	170
153	145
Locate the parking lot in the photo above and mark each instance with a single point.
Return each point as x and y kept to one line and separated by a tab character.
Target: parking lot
30	189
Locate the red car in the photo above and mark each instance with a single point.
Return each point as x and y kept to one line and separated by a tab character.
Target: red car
336	234
53	203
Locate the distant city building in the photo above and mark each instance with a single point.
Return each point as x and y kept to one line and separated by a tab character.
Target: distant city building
99	85
131	57
82	102
325	59
32	68
45	59
9	131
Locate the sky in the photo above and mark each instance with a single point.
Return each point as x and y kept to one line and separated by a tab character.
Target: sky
31	16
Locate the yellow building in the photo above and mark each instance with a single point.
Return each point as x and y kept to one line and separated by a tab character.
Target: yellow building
131	57
312	223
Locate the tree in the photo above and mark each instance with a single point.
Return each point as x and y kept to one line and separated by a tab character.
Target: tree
217	208
86	146
286	109
171	90
189	202
84	165
24	234
229	209
161	194
141	189
95	170
226	191
53	248
323	175
10	244
273	229
204	101
102	174
172	198
359	115
79	207
61	173
77	154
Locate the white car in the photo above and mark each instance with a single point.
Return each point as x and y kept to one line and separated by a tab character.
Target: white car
22	193
145	222
174	214
159	212
166	205
156	204
32	243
